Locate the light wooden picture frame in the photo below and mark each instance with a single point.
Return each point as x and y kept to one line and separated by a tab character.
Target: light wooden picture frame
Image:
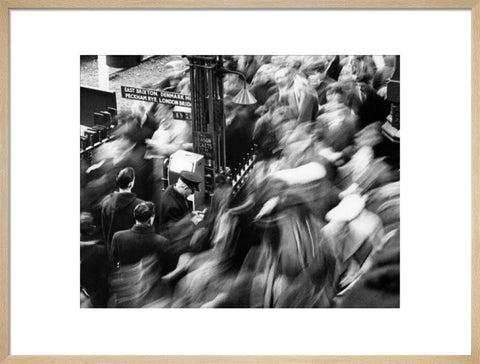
7	5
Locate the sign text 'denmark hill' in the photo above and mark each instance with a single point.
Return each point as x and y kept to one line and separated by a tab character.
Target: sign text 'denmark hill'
162	97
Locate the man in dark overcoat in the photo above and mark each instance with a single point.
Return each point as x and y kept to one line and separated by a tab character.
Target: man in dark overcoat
174	205
93	264
131	246
117	207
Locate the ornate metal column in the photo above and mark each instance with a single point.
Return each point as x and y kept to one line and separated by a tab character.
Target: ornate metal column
208	121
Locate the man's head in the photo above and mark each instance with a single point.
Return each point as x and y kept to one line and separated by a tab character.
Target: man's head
86	224
335	92
126	178
284	77
188	183
294	62
144	212
315	72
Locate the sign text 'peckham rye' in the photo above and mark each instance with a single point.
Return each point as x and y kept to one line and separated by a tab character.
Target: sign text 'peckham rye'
161	97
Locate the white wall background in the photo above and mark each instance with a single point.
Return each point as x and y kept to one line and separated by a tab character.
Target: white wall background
434	317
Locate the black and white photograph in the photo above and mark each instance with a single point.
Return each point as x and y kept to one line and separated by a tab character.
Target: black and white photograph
240	181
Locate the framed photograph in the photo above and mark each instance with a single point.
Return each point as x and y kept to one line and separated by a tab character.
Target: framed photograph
249	189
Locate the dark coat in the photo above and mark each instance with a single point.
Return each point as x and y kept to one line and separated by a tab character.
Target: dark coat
94	272
173	206
334	68
130	246
308	108
379	286
340	136
238	135
322	90
305	109
373	108
117	214
262	91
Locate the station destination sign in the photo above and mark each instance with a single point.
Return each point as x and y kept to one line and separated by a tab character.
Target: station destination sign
158	96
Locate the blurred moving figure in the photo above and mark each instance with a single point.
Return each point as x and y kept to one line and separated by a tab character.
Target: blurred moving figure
294	92
364	171
355	234
93	264
173	74
249	66
139	285
379	286
316	72
337	124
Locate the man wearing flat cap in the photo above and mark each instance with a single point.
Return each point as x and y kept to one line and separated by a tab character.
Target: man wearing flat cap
174	205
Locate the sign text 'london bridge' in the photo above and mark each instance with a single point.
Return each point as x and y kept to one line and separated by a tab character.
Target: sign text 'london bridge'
161	97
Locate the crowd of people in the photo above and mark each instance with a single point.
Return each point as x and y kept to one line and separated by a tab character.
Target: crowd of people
316	225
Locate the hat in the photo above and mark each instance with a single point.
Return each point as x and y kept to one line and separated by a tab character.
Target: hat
191	179
144	211
125	176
